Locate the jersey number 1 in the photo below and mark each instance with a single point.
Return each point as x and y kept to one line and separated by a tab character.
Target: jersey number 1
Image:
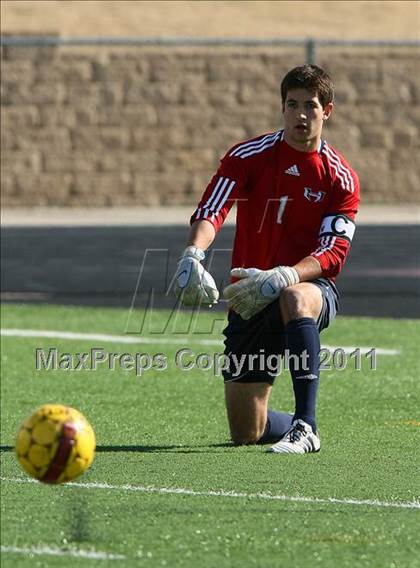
282	206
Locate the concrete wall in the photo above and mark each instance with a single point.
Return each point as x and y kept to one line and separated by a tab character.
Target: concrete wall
147	126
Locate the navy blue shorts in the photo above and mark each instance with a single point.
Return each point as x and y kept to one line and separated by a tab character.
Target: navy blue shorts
263	336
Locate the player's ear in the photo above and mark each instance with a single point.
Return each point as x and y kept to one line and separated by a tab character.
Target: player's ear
327	111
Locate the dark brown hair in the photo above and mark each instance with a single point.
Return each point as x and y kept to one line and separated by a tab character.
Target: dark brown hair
311	78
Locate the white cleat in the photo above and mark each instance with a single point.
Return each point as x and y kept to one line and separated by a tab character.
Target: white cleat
300	439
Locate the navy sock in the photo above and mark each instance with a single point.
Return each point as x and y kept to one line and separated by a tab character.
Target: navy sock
278	423
302	336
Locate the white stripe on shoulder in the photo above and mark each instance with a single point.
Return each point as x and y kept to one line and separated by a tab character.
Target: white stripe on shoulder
336	165
268	144
343	172
243	149
246	145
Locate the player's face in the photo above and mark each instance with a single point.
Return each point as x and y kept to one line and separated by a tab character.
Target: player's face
303	119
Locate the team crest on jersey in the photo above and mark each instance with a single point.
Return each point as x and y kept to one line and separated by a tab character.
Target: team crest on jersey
313	196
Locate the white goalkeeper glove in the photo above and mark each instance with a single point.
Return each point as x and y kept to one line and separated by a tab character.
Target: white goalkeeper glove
193	284
257	288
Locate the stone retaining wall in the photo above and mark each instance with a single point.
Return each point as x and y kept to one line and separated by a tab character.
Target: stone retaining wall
147	126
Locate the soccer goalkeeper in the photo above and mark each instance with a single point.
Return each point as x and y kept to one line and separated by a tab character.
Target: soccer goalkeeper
297	199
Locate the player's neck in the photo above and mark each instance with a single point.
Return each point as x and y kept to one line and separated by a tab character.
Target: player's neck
303	146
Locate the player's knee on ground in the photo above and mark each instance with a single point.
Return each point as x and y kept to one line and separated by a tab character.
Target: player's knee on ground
244	437
246	406
244	429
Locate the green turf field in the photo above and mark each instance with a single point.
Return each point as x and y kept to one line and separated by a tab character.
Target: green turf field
168	489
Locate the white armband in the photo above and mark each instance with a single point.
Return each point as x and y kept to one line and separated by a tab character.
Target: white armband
338	225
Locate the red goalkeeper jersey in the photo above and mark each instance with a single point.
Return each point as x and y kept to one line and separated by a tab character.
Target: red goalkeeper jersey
290	204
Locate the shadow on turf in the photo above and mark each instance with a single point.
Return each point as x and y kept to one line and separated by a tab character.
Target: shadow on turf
145	449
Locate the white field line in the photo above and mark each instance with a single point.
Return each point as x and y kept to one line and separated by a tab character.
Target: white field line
230	494
143	340
53	551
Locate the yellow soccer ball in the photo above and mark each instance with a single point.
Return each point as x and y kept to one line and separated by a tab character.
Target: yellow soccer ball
55	444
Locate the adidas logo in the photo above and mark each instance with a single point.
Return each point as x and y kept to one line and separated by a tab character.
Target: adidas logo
293	171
